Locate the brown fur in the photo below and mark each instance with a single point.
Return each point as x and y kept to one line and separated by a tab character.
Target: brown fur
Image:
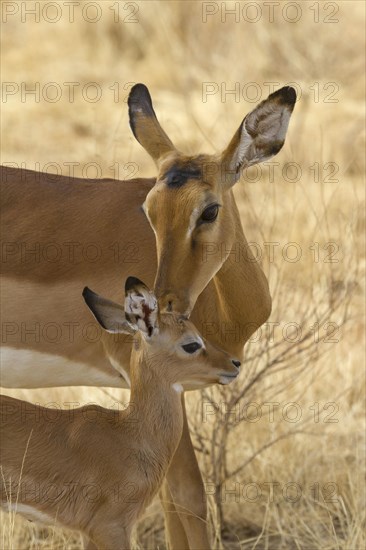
95	469
226	291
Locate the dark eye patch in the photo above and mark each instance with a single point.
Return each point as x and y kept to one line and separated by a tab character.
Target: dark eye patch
176	177
176	180
191	348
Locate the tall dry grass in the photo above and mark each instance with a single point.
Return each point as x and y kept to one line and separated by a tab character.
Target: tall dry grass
255	469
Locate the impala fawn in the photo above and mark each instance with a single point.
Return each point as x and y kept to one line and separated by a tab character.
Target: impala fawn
95	469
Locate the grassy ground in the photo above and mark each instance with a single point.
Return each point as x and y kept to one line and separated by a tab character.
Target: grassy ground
278	475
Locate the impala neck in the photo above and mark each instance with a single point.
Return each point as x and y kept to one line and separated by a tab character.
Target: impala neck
241	293
156	410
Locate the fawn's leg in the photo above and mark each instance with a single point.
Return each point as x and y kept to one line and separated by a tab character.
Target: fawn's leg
175	533
187	491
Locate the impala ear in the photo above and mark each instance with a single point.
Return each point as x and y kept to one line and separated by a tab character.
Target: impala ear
260	136
145	125
109	315
141	306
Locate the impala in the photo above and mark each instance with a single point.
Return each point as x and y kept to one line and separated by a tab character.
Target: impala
169	227
121	455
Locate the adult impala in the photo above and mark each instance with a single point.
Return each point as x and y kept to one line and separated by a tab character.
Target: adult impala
191	209
50	459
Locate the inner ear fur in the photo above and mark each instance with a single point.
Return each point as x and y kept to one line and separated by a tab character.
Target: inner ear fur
110	315
141	306
260	136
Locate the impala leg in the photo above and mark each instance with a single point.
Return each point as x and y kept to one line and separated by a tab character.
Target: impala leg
186	488
89	544
112	538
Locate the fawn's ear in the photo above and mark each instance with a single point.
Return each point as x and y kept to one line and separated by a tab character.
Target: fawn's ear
260	136
141	306
109	315
144	124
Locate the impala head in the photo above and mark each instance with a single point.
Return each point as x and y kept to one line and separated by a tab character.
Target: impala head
191	208
165	342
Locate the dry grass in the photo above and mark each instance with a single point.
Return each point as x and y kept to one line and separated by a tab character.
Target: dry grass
175	53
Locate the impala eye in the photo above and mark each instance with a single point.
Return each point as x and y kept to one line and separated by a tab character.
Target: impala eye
191	348
210	213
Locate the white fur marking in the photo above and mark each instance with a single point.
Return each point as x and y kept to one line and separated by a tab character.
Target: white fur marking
29	512
20	368
200	341
192	222
227	379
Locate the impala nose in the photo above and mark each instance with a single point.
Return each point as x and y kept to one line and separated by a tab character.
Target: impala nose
236	363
